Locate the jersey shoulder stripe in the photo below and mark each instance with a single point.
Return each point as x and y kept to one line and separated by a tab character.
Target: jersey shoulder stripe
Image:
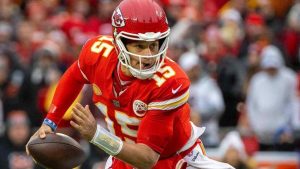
171	103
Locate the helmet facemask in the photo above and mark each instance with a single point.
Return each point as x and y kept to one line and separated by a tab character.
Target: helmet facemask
125	55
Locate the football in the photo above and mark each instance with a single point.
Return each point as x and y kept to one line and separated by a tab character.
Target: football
56	151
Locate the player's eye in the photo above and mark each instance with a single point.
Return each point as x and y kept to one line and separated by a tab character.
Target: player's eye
153	46
140	46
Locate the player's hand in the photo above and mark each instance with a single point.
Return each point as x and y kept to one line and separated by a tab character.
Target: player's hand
83	121
41	132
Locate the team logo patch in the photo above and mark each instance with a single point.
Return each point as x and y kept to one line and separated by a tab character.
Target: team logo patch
117	18
96	90
140	108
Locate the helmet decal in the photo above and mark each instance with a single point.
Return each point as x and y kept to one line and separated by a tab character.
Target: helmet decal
117	18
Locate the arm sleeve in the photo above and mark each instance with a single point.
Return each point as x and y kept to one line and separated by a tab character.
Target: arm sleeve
66	92
211	104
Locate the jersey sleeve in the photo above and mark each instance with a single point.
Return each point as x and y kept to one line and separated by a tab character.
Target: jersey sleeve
92	53
67	90
80	73
87	59
162	112
156	137
170	96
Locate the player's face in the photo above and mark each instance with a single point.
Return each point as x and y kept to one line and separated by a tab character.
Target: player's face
143	48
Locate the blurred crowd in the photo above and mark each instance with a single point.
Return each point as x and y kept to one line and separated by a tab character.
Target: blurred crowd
242	57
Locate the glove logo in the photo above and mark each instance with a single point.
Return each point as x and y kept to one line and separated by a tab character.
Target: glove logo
139	108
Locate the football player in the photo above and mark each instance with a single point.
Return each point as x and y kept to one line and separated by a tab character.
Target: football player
142	93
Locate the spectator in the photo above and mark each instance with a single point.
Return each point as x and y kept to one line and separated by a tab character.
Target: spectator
296	117
2	125
290	36
232	151
12	147
44	70
231	30
205	97
245	131
255	29
5	34
25	45
11	80
99	23
230	77
271	95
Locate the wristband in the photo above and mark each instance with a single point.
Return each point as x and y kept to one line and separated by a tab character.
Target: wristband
108	142
50	123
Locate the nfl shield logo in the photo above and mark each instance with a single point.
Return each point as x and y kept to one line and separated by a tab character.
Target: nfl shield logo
116	103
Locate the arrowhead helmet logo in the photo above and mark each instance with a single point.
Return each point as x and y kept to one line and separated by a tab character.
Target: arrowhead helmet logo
117	18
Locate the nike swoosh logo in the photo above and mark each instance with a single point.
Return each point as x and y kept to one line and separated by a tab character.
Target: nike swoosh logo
174	91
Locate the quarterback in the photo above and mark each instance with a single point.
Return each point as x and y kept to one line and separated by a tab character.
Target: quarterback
141	92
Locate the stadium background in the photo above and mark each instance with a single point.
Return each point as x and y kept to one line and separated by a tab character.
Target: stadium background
39	39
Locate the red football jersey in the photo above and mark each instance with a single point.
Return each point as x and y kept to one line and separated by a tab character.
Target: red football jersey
153	111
